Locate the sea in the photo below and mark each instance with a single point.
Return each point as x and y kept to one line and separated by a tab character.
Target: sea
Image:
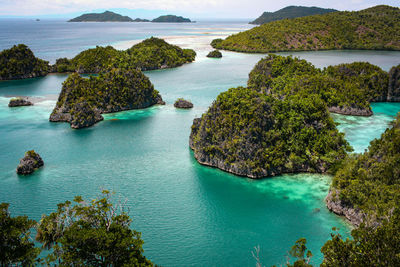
188	214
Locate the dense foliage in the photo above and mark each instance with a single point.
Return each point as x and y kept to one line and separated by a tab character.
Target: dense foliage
115	90
251	134
171	18
151	54
346	88
373	28
290	12
371	181
16	246
94	233
101	17
215	54
19	62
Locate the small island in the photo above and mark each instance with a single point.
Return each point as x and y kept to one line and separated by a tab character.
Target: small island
215	54
291	12
171	19
19	62
19	102
150	54
365	29
140	20
83	100
29	163
251	134
106	16
182	103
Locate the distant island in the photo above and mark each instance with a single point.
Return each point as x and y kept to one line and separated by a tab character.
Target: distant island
375	28
171	18
291	12
141	20
106	16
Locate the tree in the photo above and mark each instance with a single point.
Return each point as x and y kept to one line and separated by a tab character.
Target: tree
300	252
16	246
94	233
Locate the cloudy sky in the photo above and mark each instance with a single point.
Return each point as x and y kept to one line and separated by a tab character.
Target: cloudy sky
193	8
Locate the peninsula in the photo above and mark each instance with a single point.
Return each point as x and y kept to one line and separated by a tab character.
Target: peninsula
106	16
291	12
375	28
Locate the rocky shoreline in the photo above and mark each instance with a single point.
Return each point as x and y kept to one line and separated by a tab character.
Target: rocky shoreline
351	111
335	205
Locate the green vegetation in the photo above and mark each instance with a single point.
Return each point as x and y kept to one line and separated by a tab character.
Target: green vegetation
251	134
373	28
19	62
106	16
171	18
115	90
141	20
215	54
151	54
291	12
346	88
86	233
94	233
16	246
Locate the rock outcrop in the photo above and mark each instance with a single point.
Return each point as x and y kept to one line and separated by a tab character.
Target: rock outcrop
82	100
334	204
18	102
351	111
29	163
182	103
215	54
394	85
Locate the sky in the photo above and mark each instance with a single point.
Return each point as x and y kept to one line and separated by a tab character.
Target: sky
187	8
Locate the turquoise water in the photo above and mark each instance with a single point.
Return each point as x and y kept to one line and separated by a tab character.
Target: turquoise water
189	215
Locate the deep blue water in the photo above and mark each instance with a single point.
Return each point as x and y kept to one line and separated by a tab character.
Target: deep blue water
189	215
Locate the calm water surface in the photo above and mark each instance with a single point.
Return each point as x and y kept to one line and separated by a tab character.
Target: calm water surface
189	215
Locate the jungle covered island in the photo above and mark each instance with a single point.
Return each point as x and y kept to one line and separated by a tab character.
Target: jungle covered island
346	88
376	28
291	12
171	18
106	16
82	100
150	54
368	184
215	54
19	62
251	134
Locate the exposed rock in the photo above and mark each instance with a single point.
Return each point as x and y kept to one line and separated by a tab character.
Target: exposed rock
215	54
17	102
182	103
394	85
29	163
351	111
335	205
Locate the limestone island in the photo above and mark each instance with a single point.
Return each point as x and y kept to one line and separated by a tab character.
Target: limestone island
365	29
182	103
171	19
150	54
83	100
29	163
291	12
366	187
19	101
106	16
19	62
215	54
347	89
249	133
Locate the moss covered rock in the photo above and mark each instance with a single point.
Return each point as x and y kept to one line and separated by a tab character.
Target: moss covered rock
215	54
251	134
29	163
182	103
113	91
19	62
18	102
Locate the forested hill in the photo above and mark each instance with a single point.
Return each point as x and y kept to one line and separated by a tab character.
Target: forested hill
106	16
375	28
291	12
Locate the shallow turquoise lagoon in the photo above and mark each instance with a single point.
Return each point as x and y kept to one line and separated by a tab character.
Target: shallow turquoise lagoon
189	215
